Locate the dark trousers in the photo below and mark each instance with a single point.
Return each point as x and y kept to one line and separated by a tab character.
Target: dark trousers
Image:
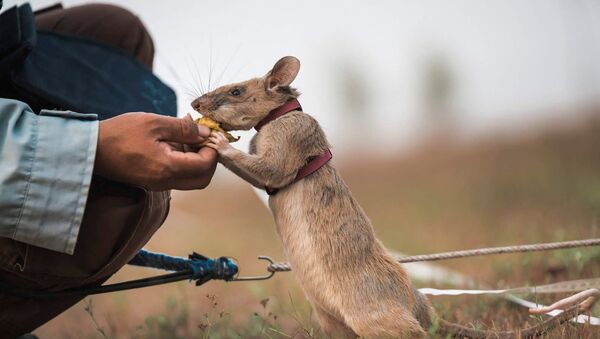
118	219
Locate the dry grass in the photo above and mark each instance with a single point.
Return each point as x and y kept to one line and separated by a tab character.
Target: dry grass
544	188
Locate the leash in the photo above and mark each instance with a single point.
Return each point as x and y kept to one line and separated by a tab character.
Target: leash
202	269
286	267
196	267
509	293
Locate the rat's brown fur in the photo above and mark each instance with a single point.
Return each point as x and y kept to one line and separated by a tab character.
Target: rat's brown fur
354	285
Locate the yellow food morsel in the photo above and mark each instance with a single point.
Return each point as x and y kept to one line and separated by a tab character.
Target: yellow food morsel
208	122
214	126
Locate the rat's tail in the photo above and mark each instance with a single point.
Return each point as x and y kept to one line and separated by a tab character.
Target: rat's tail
457	330
569	313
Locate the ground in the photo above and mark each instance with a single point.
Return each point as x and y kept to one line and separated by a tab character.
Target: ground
445	196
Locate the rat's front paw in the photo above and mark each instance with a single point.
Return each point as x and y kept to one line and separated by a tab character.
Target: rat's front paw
219	142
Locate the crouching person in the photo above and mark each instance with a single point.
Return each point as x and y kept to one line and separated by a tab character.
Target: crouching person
81	193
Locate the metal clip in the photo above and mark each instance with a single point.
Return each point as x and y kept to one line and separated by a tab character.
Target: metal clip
260	277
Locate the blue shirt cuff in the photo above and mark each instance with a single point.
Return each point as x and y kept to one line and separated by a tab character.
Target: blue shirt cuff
61	170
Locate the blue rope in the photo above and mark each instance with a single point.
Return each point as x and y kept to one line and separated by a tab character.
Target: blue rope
197	267
202	268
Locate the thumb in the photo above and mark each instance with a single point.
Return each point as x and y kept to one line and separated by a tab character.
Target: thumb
184	131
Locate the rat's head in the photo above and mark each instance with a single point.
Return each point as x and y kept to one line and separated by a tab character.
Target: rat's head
243	105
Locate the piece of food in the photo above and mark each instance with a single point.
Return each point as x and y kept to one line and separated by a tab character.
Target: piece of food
214	126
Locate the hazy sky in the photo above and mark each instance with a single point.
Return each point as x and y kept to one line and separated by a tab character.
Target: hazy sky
509	61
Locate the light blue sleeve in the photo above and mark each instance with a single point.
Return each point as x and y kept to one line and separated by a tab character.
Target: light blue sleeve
46	164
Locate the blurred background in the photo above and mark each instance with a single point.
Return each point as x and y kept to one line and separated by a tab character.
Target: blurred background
456	124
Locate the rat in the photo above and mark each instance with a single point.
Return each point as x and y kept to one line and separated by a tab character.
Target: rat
355	286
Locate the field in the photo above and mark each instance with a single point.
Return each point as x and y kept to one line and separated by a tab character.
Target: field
444	196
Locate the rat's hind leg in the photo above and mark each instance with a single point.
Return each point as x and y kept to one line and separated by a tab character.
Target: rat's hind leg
388	323
332	327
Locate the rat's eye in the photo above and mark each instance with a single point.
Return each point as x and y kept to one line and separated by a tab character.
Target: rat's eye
235	92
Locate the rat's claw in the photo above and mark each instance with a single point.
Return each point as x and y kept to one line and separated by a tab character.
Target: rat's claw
214	134
218	141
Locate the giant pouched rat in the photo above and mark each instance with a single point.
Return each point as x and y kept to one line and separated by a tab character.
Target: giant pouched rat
356	287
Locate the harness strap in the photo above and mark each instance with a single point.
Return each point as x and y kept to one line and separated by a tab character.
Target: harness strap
292	105
314	163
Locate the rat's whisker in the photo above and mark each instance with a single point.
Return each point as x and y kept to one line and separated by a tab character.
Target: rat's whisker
189	91
197	76
190	96
210	64
227	65
179	80
191	86
203	88
193	83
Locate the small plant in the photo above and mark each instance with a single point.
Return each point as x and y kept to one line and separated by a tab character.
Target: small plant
89	309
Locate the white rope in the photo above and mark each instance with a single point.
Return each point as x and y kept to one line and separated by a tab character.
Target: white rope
560	287
430	272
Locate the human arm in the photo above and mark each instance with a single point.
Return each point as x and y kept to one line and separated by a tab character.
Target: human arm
46	164
47	161
146	150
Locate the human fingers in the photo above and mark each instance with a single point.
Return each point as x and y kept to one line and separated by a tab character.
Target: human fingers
196	176
191	164
183	131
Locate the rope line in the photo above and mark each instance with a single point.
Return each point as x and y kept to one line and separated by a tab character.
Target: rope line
286	267
200	266
559	287
197	267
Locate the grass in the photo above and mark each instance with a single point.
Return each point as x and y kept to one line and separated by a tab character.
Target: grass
503	191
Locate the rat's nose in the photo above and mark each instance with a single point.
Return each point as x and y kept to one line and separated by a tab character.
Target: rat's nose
199	102
196	104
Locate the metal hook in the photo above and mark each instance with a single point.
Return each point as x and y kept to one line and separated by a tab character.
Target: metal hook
260	277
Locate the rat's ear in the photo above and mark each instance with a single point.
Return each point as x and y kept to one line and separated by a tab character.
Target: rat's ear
283	73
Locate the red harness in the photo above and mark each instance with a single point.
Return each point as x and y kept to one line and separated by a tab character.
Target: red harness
314	163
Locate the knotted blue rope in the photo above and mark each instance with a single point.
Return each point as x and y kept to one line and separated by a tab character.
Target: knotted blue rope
202	268
197	267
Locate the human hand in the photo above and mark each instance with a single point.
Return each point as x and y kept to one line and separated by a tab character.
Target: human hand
144	149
